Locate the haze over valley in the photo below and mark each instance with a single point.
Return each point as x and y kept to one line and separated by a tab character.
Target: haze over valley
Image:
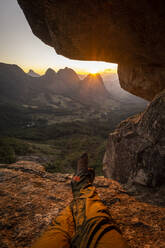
54	117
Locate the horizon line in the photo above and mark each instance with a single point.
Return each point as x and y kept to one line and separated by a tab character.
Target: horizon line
42	70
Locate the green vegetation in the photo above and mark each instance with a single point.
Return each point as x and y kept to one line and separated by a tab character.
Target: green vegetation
7	154
10	147
71	149
25	132
58	146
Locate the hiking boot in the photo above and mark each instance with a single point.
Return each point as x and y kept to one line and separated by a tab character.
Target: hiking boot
84	176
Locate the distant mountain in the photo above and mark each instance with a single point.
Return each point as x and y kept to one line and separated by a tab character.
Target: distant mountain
18	87
112	84
68	74
13	83
27	102
32	73
69	82
92	89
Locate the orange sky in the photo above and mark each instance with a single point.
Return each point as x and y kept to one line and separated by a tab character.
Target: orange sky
81	68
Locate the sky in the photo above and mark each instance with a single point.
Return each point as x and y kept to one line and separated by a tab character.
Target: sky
19	46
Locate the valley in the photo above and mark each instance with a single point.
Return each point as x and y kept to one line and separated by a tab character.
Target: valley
53	118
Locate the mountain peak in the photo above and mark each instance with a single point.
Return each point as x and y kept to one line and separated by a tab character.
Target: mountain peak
50	72
66	69
68	73
95	76
11	68
94	79
93	89
33	73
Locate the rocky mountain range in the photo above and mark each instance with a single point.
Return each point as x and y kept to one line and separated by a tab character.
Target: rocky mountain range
62	93
17	86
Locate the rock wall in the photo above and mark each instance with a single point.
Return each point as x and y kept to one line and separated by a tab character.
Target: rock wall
136	149
142	80
124	32
32	198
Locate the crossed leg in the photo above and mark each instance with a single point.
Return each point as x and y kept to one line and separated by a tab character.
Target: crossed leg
86	222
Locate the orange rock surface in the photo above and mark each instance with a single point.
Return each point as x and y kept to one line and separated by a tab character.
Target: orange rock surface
31	198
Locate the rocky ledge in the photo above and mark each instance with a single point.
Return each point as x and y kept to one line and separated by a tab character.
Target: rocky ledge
31	198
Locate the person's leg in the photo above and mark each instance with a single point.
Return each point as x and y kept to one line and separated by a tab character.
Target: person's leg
86	223
94	225
60	233
111	239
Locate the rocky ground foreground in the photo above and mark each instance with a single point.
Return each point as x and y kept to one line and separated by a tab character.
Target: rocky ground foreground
30	198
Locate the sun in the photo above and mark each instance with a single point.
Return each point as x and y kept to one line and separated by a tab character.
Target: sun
93	69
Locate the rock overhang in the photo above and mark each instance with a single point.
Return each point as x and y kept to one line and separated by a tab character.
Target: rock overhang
129	33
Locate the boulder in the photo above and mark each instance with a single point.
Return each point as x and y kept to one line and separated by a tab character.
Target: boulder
135	151
130	33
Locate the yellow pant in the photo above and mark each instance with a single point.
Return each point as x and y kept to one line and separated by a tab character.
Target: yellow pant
85	223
